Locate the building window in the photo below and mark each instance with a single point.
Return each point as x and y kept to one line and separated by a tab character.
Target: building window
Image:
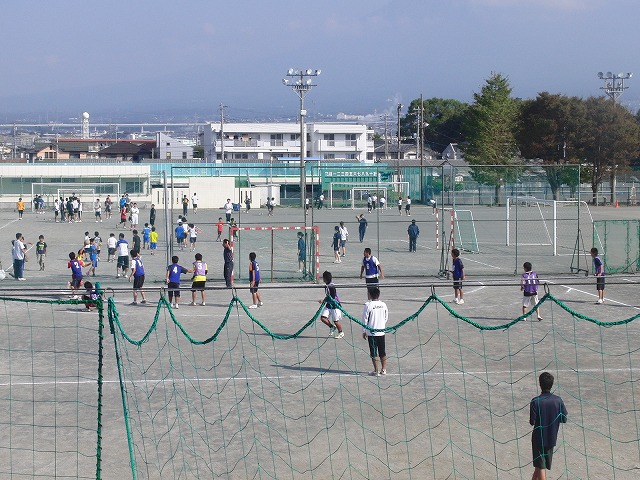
294	137
330	139
168	144
351	156
168	155
184	155
276	140
329	156
350	140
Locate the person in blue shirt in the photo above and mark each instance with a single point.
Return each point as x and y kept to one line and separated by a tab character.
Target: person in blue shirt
180	235
254	280
458	276
546	413
146	239
598	271
173	280
137	274
362	226
413	231
302	252
93	258
371	268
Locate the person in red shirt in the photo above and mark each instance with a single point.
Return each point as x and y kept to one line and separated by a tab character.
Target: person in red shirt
220	226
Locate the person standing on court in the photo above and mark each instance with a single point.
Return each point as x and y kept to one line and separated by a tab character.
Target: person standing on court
185	205
374	317
19	254
371	268
228	208
407	206
194	202
546	413
227	256
20	208
152	215
344	236
320	201
413	231
362	226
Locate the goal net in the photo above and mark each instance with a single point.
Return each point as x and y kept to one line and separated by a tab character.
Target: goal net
88	192
276	251
555	224
466	231
354	194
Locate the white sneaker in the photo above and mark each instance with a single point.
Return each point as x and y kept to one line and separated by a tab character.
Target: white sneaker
192	303
340	335
600	301
203	304
455	300
253	306
260	303
22	279
332	331
176	306
374	373
383	371
461	301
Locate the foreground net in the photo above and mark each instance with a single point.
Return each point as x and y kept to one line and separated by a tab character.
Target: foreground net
50	380
246	402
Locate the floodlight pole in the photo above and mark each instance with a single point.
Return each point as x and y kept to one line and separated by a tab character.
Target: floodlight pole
614	87
301	85
398	156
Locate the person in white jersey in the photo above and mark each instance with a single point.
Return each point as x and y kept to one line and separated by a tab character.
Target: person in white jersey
374	318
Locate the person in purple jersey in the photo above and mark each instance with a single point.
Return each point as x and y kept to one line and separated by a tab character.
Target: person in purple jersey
529	285
173	280
254	280
137	274
598	271
458	276
546	413
331	314
75	265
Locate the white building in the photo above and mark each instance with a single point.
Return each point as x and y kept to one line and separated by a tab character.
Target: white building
169	148
265	142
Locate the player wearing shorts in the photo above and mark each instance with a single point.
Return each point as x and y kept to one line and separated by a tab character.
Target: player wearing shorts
529	286
200	271
153	240
331	314
374	318
458	276
371	268
173	280
137	274
111	247
122	250
598	271
75	265
254	281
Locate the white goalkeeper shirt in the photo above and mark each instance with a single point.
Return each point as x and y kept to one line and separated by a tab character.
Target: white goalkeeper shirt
375	315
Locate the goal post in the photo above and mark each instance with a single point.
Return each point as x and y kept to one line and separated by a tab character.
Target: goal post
556	224
352	187
276	250
50	191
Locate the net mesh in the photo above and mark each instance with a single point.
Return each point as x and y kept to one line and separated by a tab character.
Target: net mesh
276	250
619	242
247	402
466	231
49	375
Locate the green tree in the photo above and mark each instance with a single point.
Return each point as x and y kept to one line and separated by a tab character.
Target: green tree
611	140
444	118
550	130
198	151
490	127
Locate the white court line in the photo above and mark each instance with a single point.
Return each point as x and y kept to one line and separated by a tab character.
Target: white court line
7	224
479	373
569	289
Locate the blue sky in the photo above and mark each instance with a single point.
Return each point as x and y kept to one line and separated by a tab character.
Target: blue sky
114	58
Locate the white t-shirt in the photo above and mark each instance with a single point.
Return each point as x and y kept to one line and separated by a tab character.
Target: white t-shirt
408	201
344	233
322	198
228	207
111	242
123	249
375	315
194	199
17	251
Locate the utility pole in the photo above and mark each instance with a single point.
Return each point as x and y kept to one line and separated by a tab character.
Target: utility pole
398	157
614	87
385	117
302	85
222	107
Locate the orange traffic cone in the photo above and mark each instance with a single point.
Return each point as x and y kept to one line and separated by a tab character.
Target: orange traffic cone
617	204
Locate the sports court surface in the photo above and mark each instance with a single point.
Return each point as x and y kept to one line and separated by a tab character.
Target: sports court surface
251	405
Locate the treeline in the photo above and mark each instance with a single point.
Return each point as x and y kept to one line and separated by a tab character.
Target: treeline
552	129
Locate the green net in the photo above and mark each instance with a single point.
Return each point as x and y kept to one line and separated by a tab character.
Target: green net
240	399
620	242
50	389
466	231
